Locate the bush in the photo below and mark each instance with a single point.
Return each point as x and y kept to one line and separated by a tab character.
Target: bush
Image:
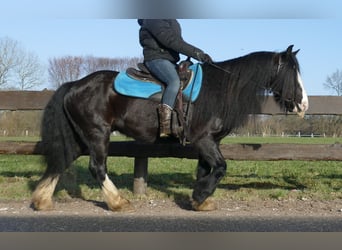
20	123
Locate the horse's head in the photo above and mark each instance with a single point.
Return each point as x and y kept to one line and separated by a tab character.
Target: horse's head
287	87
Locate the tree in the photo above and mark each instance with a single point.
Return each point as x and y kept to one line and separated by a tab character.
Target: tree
64	69
28	72
19	68
71	68
8	58
334	82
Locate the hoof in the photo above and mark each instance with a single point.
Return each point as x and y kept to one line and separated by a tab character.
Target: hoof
122	206
207	205
42	205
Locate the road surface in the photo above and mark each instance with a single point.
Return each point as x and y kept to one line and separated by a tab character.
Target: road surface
166	216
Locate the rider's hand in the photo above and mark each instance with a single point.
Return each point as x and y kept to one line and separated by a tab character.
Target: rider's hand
204	57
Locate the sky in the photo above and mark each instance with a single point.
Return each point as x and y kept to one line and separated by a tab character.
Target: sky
223	29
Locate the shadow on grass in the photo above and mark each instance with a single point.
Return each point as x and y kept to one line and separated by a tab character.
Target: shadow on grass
175	185
262	185
263	182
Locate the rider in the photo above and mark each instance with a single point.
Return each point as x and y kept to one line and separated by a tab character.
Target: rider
162	43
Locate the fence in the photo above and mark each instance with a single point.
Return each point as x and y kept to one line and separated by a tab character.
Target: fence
319	105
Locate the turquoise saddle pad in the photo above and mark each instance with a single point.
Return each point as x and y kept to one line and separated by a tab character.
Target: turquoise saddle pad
128	86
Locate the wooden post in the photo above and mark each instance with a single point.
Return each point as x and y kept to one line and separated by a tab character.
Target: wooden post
140	175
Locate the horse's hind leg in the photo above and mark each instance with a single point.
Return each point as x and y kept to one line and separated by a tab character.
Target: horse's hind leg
42	196
112	197
98	149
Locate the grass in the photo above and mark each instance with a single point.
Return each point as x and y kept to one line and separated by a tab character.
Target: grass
295	140
226	140
20	138
19	175
248	180
172	178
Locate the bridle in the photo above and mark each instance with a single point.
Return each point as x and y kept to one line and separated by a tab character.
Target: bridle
288	100
280	65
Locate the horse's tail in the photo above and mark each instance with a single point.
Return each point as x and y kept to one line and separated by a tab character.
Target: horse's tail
61	144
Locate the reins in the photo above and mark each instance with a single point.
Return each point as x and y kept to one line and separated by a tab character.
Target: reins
192	88
220	68
186	114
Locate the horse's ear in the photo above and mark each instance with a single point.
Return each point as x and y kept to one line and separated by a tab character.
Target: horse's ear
295	52
289	49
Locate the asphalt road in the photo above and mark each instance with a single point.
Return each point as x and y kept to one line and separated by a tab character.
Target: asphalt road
166	216
128	223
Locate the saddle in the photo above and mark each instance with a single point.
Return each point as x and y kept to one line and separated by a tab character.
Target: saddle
143	74
185	76
140	83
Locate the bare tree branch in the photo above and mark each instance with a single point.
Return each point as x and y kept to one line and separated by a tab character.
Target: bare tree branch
334	82
28	72
69	68
8	58
19	69
64	69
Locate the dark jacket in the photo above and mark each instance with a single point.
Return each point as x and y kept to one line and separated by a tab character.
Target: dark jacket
162	39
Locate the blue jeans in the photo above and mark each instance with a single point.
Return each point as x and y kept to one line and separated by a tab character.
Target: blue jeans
166	72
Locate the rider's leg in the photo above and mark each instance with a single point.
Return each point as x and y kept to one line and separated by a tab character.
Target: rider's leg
166	72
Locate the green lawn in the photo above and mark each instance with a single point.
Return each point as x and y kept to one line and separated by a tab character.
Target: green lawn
172	177
296	140
228	139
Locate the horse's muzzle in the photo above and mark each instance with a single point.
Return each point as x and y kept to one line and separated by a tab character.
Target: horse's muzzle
301	108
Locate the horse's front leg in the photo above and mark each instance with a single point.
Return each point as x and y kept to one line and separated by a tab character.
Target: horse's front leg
211	169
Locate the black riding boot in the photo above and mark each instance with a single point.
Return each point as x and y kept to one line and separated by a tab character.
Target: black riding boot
165	113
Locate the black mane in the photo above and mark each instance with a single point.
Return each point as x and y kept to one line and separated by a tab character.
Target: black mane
242	91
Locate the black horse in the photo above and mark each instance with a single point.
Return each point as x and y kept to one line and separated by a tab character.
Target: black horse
81	115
